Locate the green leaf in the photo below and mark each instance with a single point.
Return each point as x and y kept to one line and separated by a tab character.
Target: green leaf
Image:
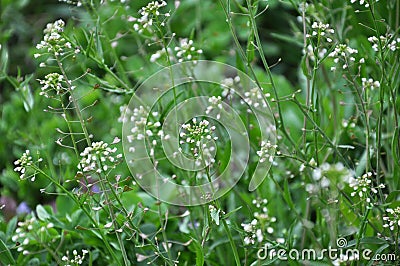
378	251
393	196
239	63
287	38
241	8
42	213
26	93
287	196
3	59
99	46
12	224
396	158
304	67
199	253
90	43
232	212
64	205
33	262
78	218
215	215
361	165
5	255
250	47
372	240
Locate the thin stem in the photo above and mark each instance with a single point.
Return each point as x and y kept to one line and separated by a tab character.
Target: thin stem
232	242
333	146
303	15
88	141
74	101
280	124
362	229
82	207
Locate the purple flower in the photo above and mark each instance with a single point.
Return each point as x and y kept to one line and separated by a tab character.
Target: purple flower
23	208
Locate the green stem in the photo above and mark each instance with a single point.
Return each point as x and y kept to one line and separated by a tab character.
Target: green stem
362	230
82	207
280	123
232	242
333	146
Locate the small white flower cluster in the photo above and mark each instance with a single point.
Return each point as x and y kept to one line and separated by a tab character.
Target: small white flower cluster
255	230
142	127
215	103
392	218
362	2
25	229
52	82
77	259
230	82
363	187
327	175
320	29
24	166
388	43
22	234
149	16
254	98
197	135
98	158
344	53
262	215
227	86
318	174
137	117
196	131
311	53
186	51
267	152
124	111
370	83
159	54
145	126
252	233
53	41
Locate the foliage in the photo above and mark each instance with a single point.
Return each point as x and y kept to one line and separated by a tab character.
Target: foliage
324	74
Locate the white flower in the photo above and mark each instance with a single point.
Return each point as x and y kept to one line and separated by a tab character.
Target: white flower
53	41
364	3
267	152
186	51
25	166
148	15
98	157
319	30
392	218
343	53
370	83
52	85
77	258
196	138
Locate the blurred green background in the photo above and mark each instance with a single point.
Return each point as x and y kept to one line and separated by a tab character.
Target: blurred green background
23	120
